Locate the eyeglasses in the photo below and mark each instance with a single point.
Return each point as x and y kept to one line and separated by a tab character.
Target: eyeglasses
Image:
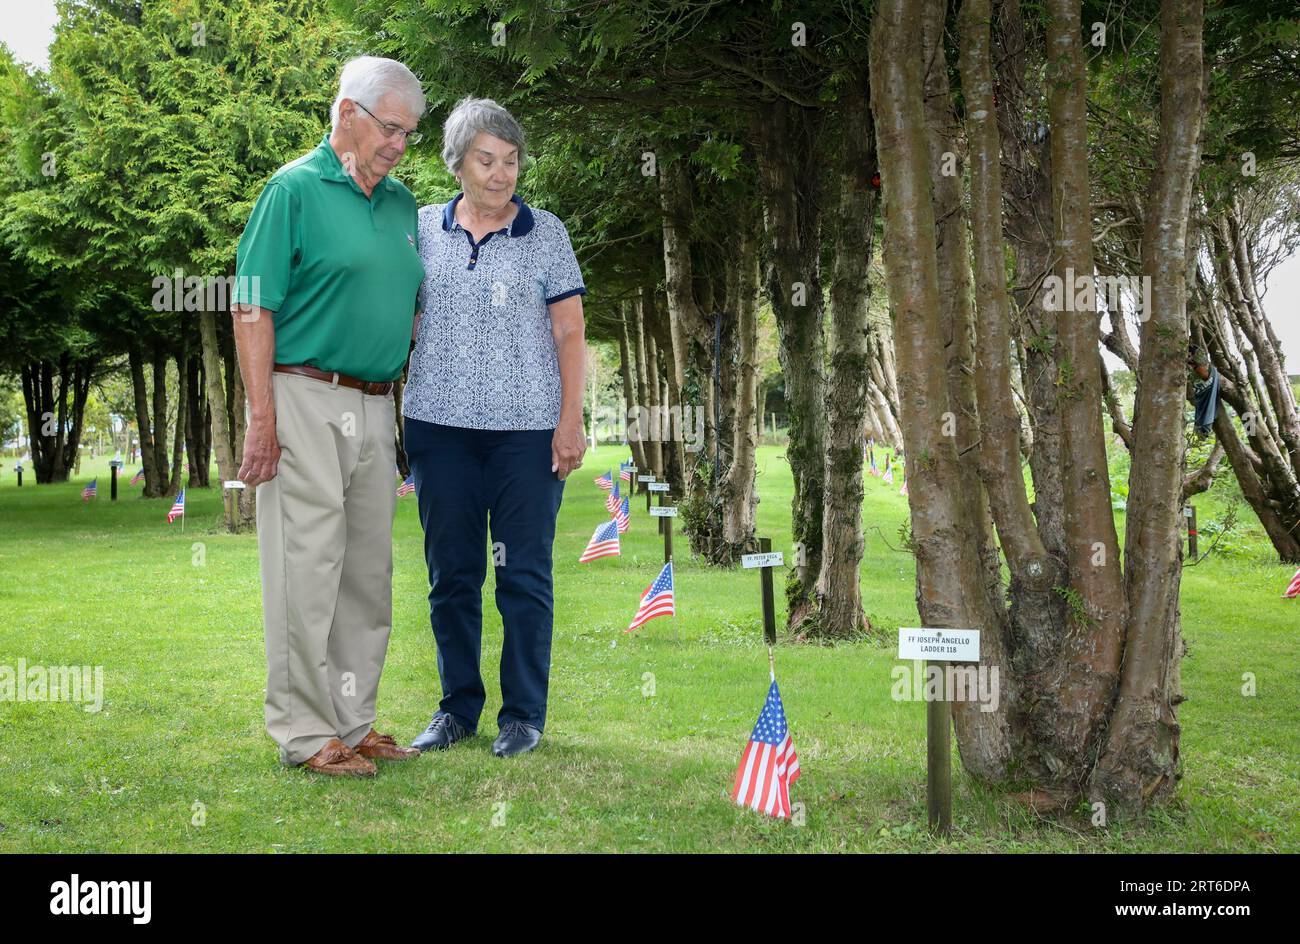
392	131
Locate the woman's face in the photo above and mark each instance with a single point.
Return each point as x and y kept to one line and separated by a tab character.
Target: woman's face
489	172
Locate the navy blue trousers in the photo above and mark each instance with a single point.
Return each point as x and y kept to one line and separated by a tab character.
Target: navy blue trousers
467	480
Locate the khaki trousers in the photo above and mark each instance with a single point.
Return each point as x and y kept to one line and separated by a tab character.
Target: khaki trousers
324	531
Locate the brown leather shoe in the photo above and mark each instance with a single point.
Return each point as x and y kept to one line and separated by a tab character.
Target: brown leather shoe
339	760
384	747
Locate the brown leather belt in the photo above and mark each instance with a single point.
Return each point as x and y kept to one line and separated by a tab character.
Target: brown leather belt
368	387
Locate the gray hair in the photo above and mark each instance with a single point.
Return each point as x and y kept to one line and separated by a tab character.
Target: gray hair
469	117
367	79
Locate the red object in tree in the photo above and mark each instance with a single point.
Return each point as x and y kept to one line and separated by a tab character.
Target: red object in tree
875	181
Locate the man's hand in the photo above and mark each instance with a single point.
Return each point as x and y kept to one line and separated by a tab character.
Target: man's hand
261	453
567	448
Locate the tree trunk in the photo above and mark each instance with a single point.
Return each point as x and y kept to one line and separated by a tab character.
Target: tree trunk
148	455
222	434
789	154
628	370
182	410
198	445
1141	757
1036	611
651	398
739	492
1026	191
951	591
838	592
956	308
159	423
1090	658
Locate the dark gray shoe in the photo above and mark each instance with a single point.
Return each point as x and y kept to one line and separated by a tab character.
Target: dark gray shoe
516	738
443	731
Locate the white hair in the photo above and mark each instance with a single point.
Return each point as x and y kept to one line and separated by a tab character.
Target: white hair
469	117
367	79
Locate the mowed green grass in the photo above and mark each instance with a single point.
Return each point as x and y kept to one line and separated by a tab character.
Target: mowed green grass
644	730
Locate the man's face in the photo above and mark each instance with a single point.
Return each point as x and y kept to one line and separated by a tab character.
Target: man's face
377	151
489	172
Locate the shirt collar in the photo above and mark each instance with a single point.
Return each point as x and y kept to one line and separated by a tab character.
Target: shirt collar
331	168
521	225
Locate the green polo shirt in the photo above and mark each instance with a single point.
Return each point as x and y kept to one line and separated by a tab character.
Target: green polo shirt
340	270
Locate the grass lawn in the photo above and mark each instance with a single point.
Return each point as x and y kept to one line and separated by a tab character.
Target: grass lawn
175	621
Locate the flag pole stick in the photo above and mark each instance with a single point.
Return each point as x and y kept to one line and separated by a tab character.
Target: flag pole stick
676	633
771	663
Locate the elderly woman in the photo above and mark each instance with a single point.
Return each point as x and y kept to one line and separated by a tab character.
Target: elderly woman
493	411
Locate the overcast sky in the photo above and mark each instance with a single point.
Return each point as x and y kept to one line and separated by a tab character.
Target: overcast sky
28	28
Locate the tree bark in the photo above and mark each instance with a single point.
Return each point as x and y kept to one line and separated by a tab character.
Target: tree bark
950	584
223	440
788	155
739	492
1140	761
627	370
838	592
1091	655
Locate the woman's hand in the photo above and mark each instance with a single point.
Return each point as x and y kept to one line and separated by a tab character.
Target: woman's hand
568	445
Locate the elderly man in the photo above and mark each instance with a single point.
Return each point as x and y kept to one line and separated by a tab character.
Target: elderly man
493	411
328	275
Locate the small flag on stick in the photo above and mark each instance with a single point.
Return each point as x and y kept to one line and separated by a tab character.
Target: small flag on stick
1293	589
177	509
657	599
769	763
612	499
90	491
407	486
603	543
605	481
622	516
138	477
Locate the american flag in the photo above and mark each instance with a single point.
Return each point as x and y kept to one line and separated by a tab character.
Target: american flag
604	543
769	764
622	516
903	490
605	481
178	508
1293	589
612	499
407	486
873	470
138	477
657	599
90	491
888	477
624	472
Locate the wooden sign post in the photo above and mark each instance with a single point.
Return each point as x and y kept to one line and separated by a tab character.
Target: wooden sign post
938	647
631	480
764	561
646	480
665	513
1189	512
660	488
